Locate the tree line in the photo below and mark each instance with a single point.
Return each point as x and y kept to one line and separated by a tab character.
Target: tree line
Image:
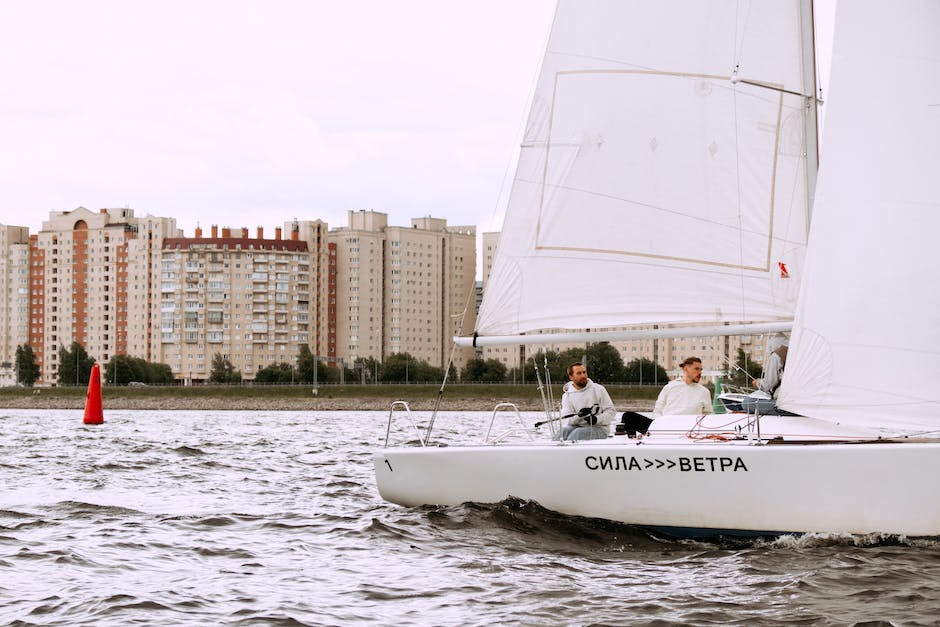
604	363
396	368
75	367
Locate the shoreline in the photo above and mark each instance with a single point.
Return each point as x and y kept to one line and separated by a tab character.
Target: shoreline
285	404
419	397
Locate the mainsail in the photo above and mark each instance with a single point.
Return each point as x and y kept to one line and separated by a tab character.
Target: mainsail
665	173
865	348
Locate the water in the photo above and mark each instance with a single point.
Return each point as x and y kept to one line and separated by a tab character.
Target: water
254	518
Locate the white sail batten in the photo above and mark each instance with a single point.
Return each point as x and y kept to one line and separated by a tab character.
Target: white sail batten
866	343
624	334
652	188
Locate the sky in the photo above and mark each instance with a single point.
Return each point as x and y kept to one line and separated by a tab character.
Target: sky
239	113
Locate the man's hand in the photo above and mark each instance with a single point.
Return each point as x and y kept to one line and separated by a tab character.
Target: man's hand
589	414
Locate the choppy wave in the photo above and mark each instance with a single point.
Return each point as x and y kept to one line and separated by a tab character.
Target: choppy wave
247	518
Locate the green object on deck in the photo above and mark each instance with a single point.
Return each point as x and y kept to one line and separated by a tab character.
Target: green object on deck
717	405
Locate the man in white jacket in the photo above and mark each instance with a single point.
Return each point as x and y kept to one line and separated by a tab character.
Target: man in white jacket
586	406
764	400
685	395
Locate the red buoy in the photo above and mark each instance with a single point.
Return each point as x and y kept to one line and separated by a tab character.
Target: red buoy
93	413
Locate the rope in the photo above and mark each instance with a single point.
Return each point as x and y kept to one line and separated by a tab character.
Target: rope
450	362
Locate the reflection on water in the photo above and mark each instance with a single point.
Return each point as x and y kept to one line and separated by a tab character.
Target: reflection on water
182	518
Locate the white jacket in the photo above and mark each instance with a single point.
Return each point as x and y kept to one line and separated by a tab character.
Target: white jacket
773	366
573	400
679	397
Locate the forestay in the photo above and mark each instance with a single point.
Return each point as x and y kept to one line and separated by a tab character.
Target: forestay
866	342
651	188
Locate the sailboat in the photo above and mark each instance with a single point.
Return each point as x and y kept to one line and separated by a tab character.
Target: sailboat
668	178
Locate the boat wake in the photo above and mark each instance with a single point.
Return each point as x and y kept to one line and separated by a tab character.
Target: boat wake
524	521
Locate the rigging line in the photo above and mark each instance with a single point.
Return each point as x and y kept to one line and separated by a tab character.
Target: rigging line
548	381
737	164
737	367
450	361
541	388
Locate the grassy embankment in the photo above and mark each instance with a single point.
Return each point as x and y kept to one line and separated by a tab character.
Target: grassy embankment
477	397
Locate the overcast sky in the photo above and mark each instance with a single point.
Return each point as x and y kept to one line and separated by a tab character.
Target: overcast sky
241	113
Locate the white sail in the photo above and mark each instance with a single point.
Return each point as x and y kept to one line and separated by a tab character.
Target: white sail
651	187
866	343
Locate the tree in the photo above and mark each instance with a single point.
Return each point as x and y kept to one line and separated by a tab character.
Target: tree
484	371
553	360
403	368
27	370
275	373
306	366
643	370
369	368
746	370
426	373
123	369
160	374
223	371
604	362
74	365
328	374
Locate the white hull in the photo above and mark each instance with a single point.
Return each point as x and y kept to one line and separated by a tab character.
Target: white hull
696	488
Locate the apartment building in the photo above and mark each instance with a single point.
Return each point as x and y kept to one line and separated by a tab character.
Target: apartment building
14	306
252	300
360	286
403	289
79	287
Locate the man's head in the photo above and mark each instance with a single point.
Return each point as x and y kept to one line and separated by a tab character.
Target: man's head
776	341
691	369
577	373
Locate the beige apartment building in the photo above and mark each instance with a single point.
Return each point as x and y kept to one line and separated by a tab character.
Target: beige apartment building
14	306
404	290
252	300
89	283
